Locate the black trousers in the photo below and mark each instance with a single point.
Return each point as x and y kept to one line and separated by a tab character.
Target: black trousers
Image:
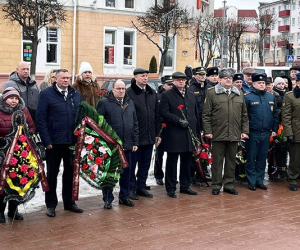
171	171
12	205
54	157
158	167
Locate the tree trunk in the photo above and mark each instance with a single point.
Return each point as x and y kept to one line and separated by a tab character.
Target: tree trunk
33	58
162	63
238	59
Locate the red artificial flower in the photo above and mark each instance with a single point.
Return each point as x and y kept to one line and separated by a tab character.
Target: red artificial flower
13	175
90	157
89	146
84	166
98	160
13	161
92	176
31	173
17	147
104	89
96	140
24	168
164	125
210	160
97	91
22	138
94	150
203	155
205	145
23	180
28	148
76	133
105	156
24	153
180	106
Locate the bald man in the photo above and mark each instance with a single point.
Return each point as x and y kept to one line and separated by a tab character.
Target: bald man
28	88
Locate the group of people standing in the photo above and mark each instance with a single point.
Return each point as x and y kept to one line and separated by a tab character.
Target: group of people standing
226	106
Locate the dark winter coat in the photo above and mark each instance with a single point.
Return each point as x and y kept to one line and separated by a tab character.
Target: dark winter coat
122	119
199	93
210	84
262	110
178	139
56	116
88	91
6	116
146	106
225	117
29	91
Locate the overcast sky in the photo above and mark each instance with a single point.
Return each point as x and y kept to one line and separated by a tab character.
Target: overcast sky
241	4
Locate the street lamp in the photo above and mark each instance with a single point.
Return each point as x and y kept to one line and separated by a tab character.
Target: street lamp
223	31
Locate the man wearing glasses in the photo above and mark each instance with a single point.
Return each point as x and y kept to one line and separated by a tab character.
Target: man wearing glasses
263	123
56	112
119	112
178	139
225	122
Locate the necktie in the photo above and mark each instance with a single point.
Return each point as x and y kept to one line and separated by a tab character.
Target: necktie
64	94
121	102
227	92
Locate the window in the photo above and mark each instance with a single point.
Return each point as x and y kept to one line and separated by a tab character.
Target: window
129	4
298	52
286	22
278	53
128	47
247	39
51	43
293	21
110	41
298	4
298	20
273	10
255	55
247	54
294	6
279	23
279	8
110	3
267	54
170	54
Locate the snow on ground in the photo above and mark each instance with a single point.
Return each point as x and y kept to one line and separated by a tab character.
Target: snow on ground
85	190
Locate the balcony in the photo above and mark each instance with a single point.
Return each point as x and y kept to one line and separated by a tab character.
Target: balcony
284	28
268	31
284	13
282	43
267	46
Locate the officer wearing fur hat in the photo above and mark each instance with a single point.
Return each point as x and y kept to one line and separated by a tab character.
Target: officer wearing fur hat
87	85
167	84
212	76
178	138
263	122
291	124
293	71
237	81
225	122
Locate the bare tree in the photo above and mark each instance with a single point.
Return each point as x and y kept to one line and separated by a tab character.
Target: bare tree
264	23
32	15
166	20
274	45
252	45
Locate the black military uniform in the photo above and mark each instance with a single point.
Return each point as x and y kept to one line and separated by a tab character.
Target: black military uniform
211	71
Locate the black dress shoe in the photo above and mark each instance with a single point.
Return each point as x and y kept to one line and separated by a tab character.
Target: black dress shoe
127	203
215	191
252	187
172	194
51	212
261	186
147	187
2	218
188	191
231	191
18	216
107	205
74	208
293	187
144	193
159	182
133	195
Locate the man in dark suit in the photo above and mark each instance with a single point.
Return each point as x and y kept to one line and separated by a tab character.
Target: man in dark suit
146	105
178	140
55	116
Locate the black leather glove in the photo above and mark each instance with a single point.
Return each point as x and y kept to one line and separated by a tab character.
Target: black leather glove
290	139
183	123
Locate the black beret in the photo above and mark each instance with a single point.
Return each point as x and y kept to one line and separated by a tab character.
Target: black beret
199	70
238	76
178	75
295	68
212	71
259	77
140	71
297	77
226	72
168	79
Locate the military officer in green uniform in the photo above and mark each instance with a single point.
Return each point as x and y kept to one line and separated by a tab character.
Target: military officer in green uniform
291	127
225	122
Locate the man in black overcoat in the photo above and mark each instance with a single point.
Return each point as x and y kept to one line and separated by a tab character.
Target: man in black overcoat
178	140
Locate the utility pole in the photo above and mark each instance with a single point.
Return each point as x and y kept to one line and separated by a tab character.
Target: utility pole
223	35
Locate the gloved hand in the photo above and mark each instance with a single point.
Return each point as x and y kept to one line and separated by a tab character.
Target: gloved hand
290	139
183	123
